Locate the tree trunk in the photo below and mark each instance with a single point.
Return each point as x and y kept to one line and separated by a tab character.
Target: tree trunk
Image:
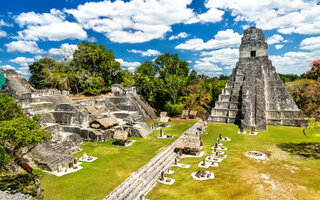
37	184
29	170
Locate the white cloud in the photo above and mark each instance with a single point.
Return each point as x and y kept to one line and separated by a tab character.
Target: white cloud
229	67
38	57
3	23
310	43
212	15
48	26
2	34
135	21
180	35
294	62
227	56
23	61
149	52
24	71
279	46
207	66
212	62
53	32
6	67
32	18
131	69
276	38
65	50
288	16
222	39
23	47
128	64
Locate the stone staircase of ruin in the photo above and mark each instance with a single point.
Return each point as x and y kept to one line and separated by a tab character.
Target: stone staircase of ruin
272	103
145	106
142	181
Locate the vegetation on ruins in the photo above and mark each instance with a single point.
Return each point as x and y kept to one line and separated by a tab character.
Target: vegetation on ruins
19	134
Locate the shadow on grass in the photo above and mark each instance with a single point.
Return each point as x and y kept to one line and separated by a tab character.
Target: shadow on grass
308	150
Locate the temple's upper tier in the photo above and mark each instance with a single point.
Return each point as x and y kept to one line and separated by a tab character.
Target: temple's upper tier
253	43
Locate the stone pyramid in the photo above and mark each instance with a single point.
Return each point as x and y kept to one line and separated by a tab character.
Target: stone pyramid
255	96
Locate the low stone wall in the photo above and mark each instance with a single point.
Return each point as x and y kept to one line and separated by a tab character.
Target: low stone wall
142	181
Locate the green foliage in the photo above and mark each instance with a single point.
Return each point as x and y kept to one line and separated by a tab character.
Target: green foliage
172	84
144	76
90	64
313	126
306	93
223	77
173	109
20	182
128	78
193	78
168	78
9	108
41	72
93	60
196	98
21	132
289	77
4	156
314	72
93	85
214	87
17	131
171	64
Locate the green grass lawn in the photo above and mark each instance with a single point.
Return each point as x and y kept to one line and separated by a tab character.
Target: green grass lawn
97	179
284	176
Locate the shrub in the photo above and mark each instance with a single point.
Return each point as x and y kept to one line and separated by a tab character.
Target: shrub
173	109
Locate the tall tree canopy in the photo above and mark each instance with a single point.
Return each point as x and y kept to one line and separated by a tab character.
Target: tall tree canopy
96	60
168	84
92	70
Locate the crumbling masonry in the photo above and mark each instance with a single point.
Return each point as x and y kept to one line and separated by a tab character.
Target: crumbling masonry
255	96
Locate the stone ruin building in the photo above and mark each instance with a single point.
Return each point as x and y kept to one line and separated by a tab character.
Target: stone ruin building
255	96
72	120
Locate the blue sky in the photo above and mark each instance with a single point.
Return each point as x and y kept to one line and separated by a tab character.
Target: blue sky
206	33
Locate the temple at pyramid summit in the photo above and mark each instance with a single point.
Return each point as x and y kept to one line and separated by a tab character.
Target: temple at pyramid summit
255	96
